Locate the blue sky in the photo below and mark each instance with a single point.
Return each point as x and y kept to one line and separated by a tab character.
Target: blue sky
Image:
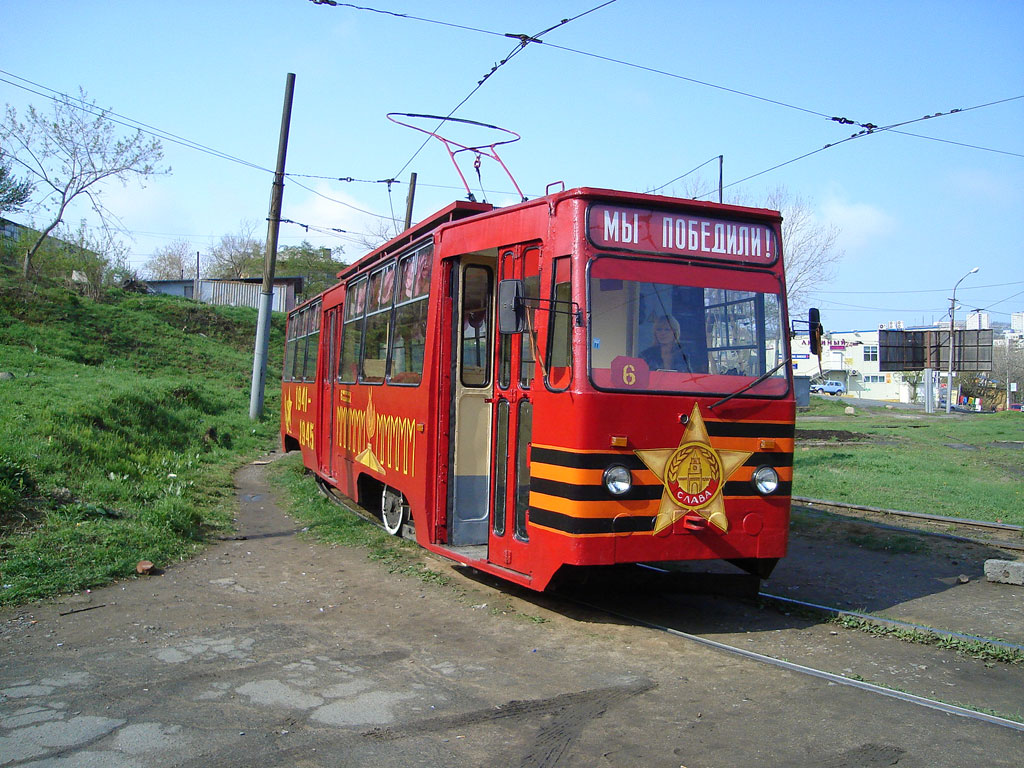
629	96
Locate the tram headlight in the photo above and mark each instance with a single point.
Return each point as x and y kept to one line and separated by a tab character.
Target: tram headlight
618	480
765	480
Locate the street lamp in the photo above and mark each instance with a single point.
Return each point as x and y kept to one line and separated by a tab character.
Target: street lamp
952	311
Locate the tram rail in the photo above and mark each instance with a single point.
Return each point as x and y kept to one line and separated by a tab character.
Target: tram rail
1007	536
831	677
893	623
801	669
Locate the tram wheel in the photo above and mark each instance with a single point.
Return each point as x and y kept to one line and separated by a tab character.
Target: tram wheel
392	511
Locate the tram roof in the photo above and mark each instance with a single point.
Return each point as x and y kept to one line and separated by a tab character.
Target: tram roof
463	209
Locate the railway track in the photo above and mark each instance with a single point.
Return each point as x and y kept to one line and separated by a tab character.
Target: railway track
831	677
1000	535
945	634
796	668
635	617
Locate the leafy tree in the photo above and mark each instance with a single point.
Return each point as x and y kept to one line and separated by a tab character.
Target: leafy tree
319	266
14	194
172	262
70	153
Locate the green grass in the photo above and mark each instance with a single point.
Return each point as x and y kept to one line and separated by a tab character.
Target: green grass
333	524
960	466
977	649
119	432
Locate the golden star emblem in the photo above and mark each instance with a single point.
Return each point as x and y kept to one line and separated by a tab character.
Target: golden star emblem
693	474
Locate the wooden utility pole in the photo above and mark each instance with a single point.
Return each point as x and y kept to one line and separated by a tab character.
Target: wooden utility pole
259	362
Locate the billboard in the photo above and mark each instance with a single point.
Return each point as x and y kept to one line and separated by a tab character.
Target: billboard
917	350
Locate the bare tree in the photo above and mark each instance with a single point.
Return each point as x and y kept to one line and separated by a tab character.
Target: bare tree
237	255
809	246
381	230
1008	367
176	261
70	153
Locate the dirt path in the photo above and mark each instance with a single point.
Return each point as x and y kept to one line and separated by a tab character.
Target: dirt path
274	650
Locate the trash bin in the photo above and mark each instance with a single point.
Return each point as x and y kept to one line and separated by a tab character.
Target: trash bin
803	391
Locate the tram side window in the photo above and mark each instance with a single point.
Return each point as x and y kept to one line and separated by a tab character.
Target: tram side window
378	326
352	334
476	315
559	367
289	346
528	365
299	350
409	337
312	342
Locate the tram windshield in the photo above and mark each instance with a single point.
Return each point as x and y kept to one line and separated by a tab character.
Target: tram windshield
667	327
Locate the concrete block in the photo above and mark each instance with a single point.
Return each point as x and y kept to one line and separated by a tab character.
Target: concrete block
1005	571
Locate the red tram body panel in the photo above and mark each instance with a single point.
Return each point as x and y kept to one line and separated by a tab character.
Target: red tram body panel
589	378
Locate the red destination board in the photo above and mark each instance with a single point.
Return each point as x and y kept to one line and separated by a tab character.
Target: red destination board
681	234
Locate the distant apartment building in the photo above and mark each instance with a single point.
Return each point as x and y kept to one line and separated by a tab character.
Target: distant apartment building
977	321
1017	322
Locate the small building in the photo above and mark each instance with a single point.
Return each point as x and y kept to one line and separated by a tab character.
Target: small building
234	292
852	358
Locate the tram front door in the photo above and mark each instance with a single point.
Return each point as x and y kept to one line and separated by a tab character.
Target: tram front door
471	385
492	413
512	414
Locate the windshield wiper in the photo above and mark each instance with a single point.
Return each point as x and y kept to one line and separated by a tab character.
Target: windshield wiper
751	385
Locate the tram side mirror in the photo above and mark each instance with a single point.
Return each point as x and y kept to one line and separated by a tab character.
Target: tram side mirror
511	310
814	326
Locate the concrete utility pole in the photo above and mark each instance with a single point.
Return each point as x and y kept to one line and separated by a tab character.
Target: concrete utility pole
259	362
409	200
952	311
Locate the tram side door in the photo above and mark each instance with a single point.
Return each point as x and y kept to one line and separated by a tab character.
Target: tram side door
330	350
512	414
471	386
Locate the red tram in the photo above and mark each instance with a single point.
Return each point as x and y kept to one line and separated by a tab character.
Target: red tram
588	378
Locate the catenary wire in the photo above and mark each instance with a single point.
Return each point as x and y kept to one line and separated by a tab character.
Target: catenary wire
523	41
127	122
870	131
925	290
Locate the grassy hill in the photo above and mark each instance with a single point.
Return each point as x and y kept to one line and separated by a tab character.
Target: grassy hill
119	431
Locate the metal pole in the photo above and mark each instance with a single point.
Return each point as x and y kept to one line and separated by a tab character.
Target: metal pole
259	362
409	199
952	310
1007	372
721	164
